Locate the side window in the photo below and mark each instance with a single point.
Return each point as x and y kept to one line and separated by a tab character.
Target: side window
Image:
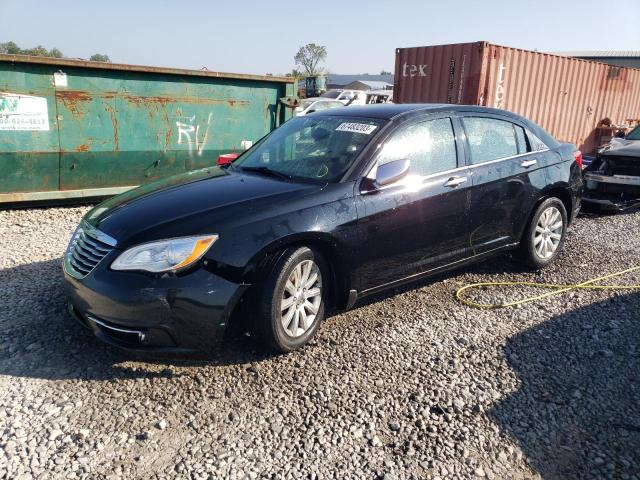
346	96
490	139
430	147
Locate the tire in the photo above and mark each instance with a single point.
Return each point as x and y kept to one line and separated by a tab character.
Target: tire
281	304
541	242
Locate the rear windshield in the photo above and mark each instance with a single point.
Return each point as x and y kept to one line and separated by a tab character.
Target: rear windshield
319	149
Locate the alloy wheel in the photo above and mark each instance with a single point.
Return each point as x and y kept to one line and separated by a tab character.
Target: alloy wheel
301	298
548	232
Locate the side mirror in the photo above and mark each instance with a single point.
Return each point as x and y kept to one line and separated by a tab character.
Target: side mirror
391	172
385	175
310	111
227	158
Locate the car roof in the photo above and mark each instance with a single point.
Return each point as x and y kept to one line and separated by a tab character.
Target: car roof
389	111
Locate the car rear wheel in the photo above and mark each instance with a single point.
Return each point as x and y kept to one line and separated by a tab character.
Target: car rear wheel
292	305
545	234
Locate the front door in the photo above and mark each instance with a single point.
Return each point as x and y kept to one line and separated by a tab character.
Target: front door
418	223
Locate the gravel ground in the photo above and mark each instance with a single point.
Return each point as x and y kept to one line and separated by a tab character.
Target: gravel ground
408	385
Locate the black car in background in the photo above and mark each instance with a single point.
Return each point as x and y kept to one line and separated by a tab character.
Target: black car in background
325	210
612	180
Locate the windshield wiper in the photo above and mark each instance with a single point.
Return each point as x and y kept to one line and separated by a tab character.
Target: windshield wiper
267	171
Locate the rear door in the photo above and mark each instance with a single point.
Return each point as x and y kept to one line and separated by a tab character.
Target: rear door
418	223
507	170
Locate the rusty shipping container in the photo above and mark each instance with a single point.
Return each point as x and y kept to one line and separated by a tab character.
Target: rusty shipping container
77	129
569	97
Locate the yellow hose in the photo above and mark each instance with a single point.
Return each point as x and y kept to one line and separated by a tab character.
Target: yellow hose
557	289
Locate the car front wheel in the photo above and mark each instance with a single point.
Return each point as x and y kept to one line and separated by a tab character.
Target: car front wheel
545	234
292	305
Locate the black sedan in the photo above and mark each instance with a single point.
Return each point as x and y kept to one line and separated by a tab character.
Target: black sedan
325	210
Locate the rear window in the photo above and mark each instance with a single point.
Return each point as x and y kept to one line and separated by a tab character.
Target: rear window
536	143
490	139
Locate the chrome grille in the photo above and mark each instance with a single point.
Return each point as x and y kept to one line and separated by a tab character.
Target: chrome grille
85	252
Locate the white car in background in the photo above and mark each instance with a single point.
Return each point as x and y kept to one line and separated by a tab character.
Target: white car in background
310	105
379	96
347	97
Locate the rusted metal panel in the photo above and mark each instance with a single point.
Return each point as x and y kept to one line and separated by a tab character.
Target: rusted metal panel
111	127
29	149
569	97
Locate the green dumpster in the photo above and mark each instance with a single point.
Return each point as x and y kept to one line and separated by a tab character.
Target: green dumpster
76	129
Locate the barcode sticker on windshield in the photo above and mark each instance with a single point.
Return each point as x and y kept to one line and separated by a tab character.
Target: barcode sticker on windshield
356	128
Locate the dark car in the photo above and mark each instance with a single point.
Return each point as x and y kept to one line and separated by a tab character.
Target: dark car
325	210
612	180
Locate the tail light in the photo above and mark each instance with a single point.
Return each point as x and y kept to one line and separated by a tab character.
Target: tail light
578	157
227	158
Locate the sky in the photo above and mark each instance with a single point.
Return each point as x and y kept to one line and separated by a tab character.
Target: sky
251	36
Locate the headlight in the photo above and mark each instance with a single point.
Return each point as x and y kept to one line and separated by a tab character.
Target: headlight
164	255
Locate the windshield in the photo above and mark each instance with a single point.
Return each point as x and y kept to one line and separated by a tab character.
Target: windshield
308	148
331	94
634	134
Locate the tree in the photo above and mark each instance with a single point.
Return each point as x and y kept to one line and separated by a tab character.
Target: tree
12	49
384	72
54	52
38	51
308	58
99	57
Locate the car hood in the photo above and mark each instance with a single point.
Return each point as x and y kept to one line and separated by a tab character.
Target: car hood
623	148
194	203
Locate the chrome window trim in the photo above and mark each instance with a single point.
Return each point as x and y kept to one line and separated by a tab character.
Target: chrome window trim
473	165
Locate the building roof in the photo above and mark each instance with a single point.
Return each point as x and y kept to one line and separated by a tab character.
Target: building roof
372	84
336	79
602	54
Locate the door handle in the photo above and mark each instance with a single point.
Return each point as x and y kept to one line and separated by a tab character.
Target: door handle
455	181
528	163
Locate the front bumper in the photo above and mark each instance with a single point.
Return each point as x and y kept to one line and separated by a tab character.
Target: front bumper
613	193
610	204
169	313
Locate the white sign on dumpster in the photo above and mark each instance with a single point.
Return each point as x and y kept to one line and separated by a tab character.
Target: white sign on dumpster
23	112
